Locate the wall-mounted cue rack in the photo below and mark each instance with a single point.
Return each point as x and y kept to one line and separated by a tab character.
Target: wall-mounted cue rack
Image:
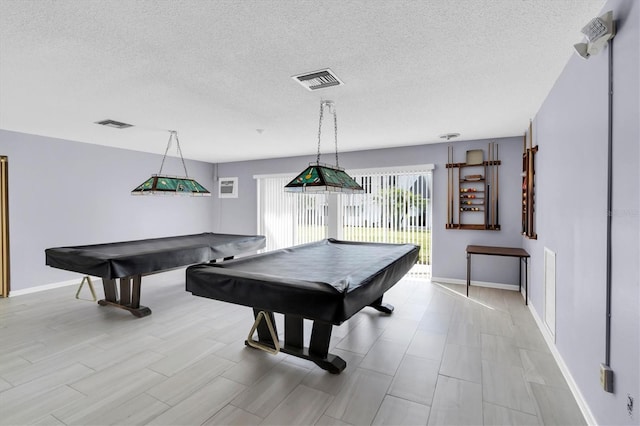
528	185
473	190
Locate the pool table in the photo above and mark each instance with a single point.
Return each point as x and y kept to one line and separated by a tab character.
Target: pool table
327	282
128	261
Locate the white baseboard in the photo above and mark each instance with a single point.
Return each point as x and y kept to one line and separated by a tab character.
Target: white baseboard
475	283
51	286
584	408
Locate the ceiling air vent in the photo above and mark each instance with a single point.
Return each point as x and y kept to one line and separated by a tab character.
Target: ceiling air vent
318	79
113	123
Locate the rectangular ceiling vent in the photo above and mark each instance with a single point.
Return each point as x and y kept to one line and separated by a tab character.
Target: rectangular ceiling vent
318	79
115	124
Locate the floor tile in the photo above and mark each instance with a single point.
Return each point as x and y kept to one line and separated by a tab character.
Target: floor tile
330	421
384	356
182	384
500	350
427	344
4	385
332	384
529	337
456	402
102	402
505	385
497	415
541	367
12	362
360	339
51	365
437	322
112	380
43	385
268	392
463	333
397	411
495	322
48	421
557	405
360	397
400	330
202	404
255	365
32	409
288	412
135	411
462	362
415	380
233	416
183	356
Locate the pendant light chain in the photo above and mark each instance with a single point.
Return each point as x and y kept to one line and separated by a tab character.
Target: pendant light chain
173	133
165	152
332	110
320	131
181	157
335	128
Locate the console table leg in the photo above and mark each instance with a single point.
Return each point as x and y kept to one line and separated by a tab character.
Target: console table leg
468	272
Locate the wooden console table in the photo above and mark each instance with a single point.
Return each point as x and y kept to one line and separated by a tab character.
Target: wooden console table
502	251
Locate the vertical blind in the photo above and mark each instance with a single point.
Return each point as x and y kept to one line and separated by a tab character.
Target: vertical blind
286	218
395	208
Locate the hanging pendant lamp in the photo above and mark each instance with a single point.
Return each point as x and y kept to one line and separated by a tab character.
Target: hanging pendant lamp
322	178
160	184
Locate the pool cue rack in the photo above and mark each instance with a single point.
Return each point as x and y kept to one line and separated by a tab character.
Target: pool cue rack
473	190
528	185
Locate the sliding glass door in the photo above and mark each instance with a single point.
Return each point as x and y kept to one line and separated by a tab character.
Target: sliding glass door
395	208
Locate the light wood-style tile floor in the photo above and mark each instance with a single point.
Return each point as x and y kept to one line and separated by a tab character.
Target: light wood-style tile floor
440	359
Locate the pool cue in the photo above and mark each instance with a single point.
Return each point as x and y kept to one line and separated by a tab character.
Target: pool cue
448	185
459	209
494	189
497	185
487	194
493	186
451	190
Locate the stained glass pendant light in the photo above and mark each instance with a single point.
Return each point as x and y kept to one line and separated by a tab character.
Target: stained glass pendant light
322	178
160	184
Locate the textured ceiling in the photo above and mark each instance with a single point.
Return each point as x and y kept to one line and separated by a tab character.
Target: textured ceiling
217	71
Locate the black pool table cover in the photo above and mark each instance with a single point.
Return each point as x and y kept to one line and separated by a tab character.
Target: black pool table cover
327	281
128	261
130	258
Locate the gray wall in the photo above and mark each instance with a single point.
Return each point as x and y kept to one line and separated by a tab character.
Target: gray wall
571	131
69	193
449	261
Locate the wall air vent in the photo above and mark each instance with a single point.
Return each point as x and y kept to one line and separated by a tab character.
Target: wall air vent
115	124
318	79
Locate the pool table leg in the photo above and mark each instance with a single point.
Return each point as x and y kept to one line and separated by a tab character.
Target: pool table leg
382	307
318	350
129	295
